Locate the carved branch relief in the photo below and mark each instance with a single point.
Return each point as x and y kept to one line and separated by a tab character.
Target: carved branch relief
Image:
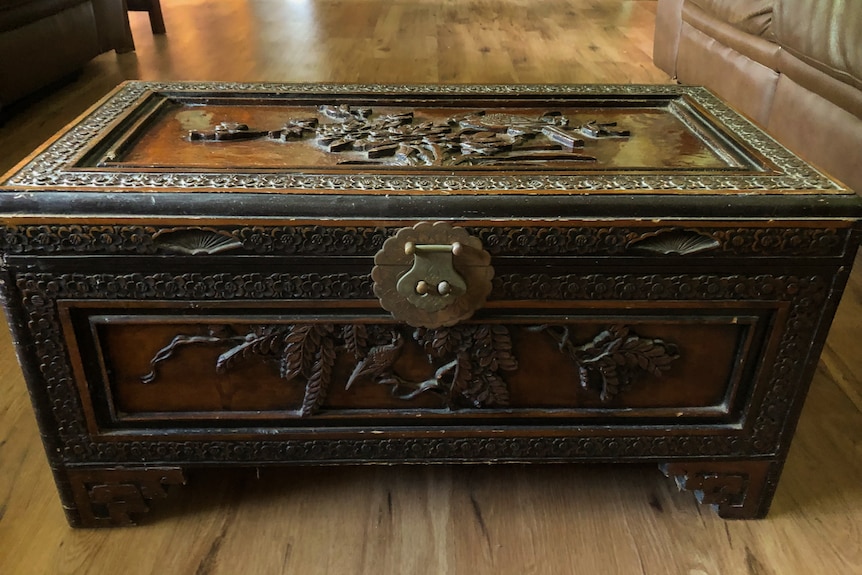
469	361
475	139
612	360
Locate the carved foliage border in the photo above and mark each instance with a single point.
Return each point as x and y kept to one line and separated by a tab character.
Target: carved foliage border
50	169
39	293
315	240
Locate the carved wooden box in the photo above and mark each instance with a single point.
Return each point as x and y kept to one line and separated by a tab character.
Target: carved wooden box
203	275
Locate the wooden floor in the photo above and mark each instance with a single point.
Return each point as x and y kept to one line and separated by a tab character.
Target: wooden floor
435	520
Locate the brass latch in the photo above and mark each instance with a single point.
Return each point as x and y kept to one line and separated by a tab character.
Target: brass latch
431	275
432	283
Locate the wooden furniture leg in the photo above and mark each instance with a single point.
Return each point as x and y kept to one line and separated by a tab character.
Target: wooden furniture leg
154	9
735	489
117	496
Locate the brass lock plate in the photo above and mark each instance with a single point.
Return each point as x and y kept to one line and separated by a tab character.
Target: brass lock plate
432	275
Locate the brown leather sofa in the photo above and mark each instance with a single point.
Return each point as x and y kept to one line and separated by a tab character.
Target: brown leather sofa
793	66
42	41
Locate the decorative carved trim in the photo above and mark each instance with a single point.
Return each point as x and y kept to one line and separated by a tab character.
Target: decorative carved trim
51	168
688	287
805	295
113	497
616	240
285	240
224	286
367	241
736	490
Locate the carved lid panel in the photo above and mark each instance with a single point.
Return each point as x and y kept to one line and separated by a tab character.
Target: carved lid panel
455	140
180	134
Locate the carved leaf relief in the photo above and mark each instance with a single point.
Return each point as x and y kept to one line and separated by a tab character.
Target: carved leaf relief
611	362
468	361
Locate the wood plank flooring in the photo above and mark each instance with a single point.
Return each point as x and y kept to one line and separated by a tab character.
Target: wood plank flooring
555	519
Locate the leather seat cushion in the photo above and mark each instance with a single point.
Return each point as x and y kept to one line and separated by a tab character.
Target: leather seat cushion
758	49
746	83
839	93
751	16
17	13
819	131
46	50
826	34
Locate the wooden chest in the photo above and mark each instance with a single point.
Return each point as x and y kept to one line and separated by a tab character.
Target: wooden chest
203	275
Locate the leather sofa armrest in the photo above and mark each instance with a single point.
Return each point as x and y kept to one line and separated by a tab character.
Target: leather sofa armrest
668	23
112	25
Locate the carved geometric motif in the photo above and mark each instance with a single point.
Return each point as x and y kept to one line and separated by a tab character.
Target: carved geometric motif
111	497
736	489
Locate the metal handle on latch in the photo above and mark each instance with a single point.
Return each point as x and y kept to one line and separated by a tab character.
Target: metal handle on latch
432	283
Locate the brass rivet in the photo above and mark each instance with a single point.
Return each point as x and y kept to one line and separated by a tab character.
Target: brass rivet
422	287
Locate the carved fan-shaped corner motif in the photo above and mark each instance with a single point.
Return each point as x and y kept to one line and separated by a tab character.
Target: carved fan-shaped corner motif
675	242
196	241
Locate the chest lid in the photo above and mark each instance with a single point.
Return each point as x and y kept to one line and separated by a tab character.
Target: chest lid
332	147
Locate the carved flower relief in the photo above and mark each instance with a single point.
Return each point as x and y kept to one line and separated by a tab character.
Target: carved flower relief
71	236
658	287
777	240
257	239
80	238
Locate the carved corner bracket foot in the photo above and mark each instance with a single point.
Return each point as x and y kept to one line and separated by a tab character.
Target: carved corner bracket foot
118	496
734	489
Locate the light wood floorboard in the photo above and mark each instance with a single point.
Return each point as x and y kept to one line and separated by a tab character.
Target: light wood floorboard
555	519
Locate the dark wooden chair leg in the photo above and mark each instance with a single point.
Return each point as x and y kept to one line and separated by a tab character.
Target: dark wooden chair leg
157	22
125	43
153	8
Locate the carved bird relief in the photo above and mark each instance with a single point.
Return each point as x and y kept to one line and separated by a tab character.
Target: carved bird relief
379	362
